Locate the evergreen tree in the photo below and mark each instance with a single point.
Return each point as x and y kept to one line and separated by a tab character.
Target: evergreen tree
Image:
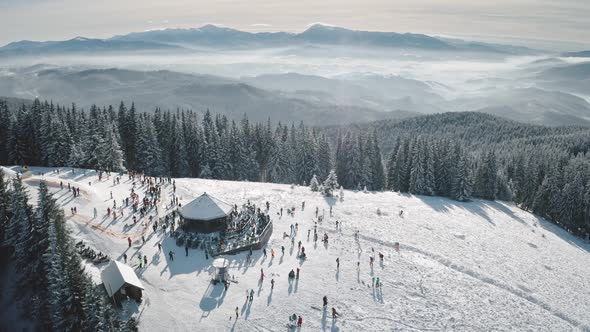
331	183
314	185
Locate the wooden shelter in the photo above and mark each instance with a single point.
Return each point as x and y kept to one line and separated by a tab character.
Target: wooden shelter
121	281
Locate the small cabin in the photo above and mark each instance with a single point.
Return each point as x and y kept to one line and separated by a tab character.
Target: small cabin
120	281
205	214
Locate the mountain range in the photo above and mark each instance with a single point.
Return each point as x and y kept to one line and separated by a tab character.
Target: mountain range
211	36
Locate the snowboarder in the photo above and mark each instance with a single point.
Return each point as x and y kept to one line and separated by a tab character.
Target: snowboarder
171	255
325	300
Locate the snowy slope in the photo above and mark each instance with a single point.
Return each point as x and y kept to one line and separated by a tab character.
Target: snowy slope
477	266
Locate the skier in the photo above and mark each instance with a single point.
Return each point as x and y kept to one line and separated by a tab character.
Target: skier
334	313
129	240
171	254
325	299
272	283
337	262
237	315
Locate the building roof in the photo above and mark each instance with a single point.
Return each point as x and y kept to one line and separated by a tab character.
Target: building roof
116	275
205	207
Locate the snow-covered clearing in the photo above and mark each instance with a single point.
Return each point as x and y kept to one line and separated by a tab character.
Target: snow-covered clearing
461	266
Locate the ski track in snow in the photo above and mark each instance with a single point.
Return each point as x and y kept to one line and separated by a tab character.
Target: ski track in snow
446	262
492	270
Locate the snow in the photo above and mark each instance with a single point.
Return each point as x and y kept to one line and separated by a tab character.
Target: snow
472	266
205	207
115	275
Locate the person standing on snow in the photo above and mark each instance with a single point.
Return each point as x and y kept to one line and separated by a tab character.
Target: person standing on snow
129	240
297	273
272	283
171	255
334	313
237	315
125	258
251	295
299	321
337	262
325	300
186	250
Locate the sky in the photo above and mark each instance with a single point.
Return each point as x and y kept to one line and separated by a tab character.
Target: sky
559	24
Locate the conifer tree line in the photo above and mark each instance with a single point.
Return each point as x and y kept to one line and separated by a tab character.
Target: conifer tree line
456	155
54	292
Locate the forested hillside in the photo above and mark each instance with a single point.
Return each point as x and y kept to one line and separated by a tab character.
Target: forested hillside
53	289
457	155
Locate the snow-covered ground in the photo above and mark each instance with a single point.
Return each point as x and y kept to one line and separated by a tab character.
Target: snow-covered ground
477	266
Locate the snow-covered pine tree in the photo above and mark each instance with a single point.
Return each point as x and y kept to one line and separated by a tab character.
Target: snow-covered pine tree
5	213
110	153
460	185
314	184
331	183
149	155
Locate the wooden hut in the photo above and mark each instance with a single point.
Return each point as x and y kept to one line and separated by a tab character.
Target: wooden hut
121	281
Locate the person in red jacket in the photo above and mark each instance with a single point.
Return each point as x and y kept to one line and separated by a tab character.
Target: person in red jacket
299	321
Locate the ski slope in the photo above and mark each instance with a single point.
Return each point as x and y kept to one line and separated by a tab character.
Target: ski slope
476	266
